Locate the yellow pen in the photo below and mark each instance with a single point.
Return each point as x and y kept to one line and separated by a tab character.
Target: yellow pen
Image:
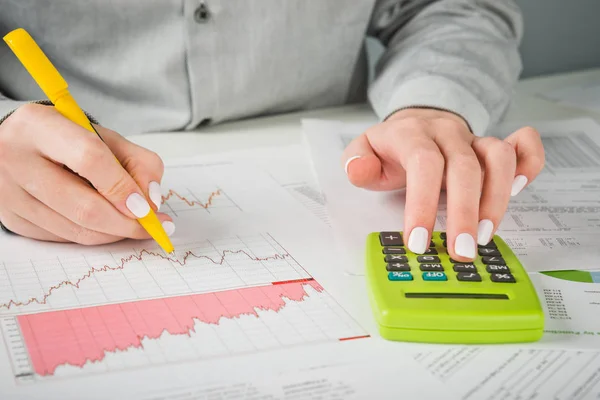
56	88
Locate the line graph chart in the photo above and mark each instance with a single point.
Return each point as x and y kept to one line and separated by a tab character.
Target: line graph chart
134	274
192	203
174	329
214	201
202	191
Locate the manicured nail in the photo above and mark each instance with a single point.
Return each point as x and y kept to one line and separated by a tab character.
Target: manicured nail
155	194
417	241
484	231
348	163
464	245
518	184
169	227
137	205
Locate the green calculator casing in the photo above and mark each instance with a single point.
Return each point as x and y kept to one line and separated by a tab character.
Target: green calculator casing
452	311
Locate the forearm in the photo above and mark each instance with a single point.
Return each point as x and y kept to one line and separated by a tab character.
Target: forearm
456	55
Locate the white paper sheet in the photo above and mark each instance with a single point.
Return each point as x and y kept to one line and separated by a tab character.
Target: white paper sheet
495	373
290	167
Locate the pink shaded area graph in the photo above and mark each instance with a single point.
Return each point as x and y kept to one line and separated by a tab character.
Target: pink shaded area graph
77	336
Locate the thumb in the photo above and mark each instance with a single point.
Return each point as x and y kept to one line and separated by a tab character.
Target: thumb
145	166
362	166
530	157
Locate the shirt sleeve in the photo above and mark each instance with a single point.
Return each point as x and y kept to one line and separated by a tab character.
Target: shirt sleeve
456	55
7	106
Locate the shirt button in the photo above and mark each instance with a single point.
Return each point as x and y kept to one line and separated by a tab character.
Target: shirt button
202	14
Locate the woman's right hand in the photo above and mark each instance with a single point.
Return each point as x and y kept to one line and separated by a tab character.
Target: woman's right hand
41	199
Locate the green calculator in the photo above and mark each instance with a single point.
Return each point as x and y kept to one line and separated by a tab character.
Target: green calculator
431	298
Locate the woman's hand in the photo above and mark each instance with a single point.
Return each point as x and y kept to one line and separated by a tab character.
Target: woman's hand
41	199
424	150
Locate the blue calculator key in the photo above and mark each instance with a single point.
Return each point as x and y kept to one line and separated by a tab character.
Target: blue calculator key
400	276
434	276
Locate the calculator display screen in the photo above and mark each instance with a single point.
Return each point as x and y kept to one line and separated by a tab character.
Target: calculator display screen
494	296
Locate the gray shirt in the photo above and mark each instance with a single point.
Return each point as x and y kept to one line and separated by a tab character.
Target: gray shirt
164	65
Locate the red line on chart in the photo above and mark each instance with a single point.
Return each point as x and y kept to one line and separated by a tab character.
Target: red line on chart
137	257
293	281
354	337
192	203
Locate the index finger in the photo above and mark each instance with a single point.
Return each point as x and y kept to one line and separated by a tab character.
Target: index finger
463	188
416	155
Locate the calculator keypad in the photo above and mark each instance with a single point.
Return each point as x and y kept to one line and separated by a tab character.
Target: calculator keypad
400	267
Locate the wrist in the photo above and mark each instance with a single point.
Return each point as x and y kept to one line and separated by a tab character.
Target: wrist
428	113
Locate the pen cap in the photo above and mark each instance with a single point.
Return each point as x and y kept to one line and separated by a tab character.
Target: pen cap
36	63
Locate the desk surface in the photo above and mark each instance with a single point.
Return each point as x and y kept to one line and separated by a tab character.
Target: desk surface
286	129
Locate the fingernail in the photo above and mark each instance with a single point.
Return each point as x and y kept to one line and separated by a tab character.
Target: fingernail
417	241
484	231
169	227
518	184
464	245
137	205
155	193
348	163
